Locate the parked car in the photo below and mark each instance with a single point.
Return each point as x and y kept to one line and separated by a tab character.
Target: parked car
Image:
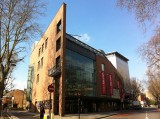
136	105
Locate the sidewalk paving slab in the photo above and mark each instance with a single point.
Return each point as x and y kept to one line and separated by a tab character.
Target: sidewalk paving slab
100	115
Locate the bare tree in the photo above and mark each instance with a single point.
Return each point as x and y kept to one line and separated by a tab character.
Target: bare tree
136	87
9	82
150	51
146	11
18	24
154	83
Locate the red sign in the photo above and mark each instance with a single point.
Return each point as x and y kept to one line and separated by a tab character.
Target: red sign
111	84
103	83
51	88
79	94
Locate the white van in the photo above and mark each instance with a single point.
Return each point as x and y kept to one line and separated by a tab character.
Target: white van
136	105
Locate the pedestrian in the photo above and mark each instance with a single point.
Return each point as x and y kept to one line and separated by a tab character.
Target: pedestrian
5	107
27	108
42	111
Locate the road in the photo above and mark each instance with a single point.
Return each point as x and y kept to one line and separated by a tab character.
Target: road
147	113
4	116
24	115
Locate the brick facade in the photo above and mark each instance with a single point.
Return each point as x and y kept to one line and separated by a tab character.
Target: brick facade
19	100
45	56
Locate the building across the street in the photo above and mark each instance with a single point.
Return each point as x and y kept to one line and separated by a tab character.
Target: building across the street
149	95
84	79
15	99
121	64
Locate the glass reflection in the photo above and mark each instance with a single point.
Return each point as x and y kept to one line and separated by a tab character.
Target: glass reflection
80	75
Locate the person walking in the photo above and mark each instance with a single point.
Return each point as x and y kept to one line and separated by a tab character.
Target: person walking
42	112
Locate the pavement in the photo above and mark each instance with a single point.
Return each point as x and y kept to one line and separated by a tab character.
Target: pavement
100	115
89	115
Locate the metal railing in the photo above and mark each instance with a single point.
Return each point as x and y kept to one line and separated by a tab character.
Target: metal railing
54	71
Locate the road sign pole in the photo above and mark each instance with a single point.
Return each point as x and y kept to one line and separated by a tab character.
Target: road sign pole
50	106
50	89
79	105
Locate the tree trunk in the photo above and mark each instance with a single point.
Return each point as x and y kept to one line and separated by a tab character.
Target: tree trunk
1	94
1	91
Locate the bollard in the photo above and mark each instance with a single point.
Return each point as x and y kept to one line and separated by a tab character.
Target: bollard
48	117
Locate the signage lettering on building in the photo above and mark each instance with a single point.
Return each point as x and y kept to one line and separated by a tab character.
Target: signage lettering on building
118	85
111	84
116	93
103	83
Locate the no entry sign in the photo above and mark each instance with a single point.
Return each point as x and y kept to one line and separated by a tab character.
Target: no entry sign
51	88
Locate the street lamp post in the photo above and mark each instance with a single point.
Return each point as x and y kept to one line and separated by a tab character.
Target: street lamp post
12	101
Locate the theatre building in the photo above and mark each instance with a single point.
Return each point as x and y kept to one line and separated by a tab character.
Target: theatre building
84	79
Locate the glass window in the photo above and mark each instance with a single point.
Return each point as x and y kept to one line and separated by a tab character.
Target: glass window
58	44
42	62
102	67
39	53
59	26
46	43
37	78
42	47
80	74
58	61
38	65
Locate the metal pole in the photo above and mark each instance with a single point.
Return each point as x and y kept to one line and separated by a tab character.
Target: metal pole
78	104
22	100
0	49
50	106
79	107
0	28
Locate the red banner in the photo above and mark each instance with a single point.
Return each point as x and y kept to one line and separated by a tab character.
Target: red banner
111	84
118	85
103	83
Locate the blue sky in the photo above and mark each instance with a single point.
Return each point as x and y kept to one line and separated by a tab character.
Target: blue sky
104	26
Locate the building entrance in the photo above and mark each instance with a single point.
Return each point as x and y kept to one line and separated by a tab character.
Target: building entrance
90	104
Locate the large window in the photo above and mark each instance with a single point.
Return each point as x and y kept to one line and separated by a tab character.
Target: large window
37	79
42	47
58	44
38	65
42	62
80	75
39	52
59	26
58	62
46	43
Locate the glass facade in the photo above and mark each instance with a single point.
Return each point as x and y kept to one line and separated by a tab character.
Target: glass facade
30	82
80	75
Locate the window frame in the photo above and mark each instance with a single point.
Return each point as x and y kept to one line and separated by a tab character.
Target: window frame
39	52
42	62
59	26
58	44
37	81
38	65
46	43
58	61
42	47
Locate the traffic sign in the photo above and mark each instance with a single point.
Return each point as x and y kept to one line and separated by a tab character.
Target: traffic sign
51	88
79	94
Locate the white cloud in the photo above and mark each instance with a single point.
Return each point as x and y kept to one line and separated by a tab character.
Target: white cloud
83	37
19	84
